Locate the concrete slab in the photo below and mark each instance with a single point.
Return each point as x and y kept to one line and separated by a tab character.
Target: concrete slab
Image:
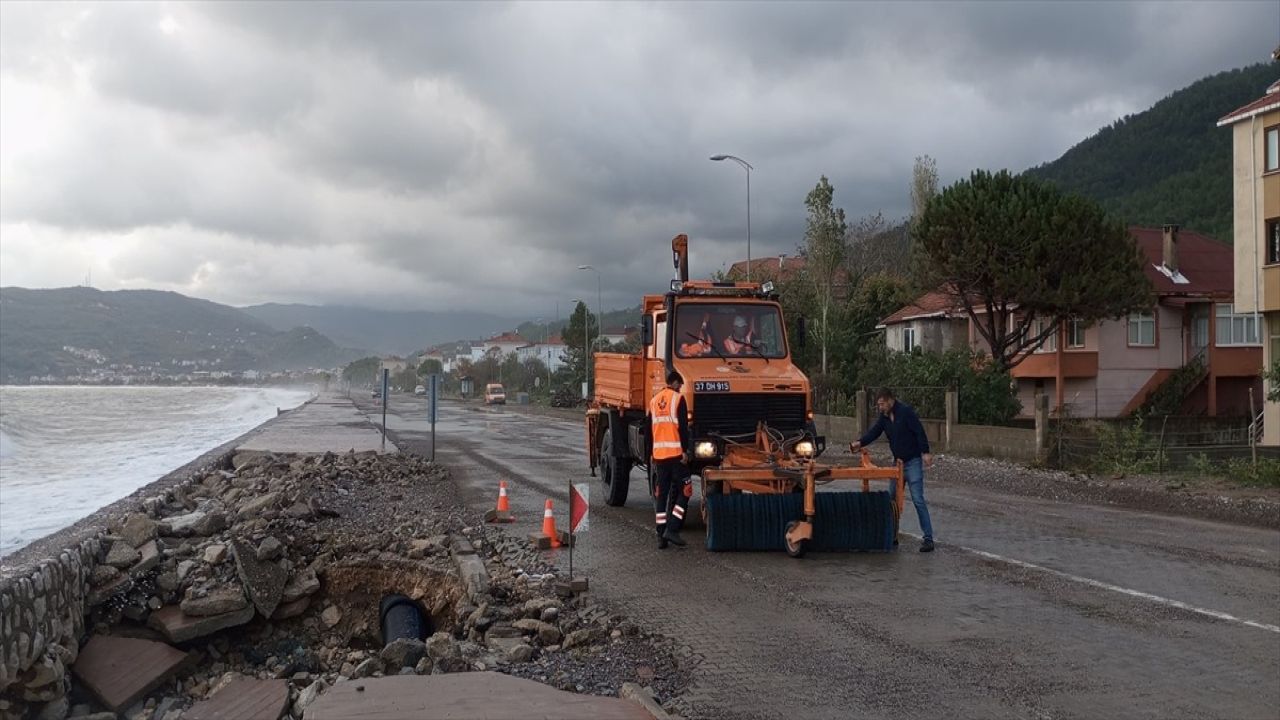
120	671
330	423
179	627
473	696
243	698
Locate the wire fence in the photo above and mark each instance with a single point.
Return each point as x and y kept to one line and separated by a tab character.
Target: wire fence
930	401
1125	446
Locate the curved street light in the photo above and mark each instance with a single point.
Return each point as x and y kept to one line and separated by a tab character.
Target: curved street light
747	167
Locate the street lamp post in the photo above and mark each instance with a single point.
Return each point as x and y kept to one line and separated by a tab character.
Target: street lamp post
745	166
599	305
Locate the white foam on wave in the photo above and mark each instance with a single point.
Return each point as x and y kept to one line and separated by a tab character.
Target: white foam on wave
69	451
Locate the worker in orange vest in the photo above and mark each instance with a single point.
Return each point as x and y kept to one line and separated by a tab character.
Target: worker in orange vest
672	481
742	338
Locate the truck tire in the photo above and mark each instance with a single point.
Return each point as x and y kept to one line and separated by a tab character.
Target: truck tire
615	473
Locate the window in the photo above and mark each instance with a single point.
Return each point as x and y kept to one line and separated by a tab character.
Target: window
1142	329
1075	334
1236	328
908	338
1273	329
718	330
1272	149
1273	241
1050	343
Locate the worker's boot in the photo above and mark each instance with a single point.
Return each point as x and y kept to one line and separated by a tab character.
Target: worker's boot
662	543
927	545
673	536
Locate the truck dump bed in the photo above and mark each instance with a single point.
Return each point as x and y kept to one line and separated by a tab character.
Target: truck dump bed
620	380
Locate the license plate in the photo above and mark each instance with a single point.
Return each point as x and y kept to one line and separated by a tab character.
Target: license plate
711	386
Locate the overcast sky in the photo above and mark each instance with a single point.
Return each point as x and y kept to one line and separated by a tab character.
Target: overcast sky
436	156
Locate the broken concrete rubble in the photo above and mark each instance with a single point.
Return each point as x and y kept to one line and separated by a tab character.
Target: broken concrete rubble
179	627
329	569
217	601
264	580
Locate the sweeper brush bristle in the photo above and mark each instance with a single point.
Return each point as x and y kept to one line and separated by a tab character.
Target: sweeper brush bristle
844	521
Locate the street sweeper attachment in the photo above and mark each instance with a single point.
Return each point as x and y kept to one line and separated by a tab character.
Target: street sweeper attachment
764	496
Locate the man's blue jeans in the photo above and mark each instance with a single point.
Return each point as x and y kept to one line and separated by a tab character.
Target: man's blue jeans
913	473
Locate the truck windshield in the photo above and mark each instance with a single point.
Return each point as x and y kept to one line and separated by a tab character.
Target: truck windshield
729	330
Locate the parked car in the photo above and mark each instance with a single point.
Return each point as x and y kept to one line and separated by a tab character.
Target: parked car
377	393
420	390
495	394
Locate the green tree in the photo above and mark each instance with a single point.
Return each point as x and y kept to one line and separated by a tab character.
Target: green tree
825	252
1272	376
406	380
581	327
363	371
430	366
1022	258
924	185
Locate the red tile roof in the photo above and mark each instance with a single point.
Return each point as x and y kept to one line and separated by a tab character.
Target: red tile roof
1208	265
1266	103
768	268
508	337
931	304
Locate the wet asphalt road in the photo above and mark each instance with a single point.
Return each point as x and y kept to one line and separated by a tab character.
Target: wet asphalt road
1029	608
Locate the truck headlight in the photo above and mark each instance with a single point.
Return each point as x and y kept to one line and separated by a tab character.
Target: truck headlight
804	448
704	449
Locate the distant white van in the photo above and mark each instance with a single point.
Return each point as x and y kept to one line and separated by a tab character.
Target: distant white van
420	390
495	394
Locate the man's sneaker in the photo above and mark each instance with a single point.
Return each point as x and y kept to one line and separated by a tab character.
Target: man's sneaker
662	543
674	537
927	545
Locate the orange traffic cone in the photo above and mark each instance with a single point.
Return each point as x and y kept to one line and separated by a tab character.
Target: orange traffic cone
549	537
501	513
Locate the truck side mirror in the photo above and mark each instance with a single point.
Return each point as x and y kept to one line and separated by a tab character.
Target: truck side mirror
646	330
800	332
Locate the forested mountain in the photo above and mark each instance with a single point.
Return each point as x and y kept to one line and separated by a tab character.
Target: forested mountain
1170	163
382	331
83	331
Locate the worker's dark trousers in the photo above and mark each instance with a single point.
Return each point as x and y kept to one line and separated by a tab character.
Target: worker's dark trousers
672	488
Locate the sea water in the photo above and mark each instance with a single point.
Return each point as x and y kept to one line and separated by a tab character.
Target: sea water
67	451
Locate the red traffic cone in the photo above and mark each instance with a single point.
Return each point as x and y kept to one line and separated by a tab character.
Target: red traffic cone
501	513
549	537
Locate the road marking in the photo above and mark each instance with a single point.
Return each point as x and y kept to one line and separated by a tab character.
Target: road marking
1216	614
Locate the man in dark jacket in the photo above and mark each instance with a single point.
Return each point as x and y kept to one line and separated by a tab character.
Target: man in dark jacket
908	442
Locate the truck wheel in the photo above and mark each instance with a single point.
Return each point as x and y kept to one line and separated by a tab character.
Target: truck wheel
615	472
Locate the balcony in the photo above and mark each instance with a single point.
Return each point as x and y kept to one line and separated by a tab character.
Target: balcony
1075	364
1237	361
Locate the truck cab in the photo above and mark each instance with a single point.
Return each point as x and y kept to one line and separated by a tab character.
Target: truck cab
729	343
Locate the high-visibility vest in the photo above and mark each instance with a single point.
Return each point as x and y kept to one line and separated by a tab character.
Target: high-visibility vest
664	409
734	347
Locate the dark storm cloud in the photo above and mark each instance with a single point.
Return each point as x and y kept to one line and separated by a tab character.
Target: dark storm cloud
472	155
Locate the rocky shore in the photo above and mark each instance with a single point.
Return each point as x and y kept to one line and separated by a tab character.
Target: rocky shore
274	570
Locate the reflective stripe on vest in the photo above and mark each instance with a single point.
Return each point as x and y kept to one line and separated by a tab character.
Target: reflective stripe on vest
664	410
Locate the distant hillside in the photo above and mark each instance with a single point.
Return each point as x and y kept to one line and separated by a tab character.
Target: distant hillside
80	330
1169	163
382	331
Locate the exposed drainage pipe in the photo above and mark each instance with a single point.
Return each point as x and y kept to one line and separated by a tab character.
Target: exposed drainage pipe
401	617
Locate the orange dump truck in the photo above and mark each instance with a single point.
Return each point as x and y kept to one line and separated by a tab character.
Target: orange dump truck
750	420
